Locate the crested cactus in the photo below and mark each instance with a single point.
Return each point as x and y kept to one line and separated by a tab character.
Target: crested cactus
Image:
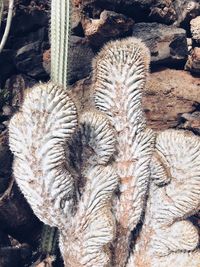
126	171
38	136
168	238
60	33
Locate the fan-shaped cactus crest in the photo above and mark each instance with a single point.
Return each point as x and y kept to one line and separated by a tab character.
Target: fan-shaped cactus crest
128	174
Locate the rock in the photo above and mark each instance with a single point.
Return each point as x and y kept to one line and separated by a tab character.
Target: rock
16	42
191	121
16	86
193	62
167	44
17	218
163	12
185	11
28	19
29	60
76	25
140	10
46	61
195	29
5	162
189	44
6	65
2	128
110	25
80	59
4	240
7	110
168	95
15	256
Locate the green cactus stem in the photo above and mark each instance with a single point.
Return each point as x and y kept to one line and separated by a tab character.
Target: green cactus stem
60	32
49	240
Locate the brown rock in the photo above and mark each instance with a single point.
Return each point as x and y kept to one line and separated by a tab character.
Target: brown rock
195	29
76	26
140	10
110	25
193	62
168	94
167	44
185	11
79	61
163	12
16	86
191	121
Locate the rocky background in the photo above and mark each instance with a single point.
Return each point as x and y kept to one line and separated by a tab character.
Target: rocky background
171	30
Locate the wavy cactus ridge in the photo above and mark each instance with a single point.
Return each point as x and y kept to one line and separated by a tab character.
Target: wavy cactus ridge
167	237
86	241
60	35
98	135
37	141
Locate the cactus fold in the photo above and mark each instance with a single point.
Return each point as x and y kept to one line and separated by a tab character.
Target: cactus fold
38	135
168	238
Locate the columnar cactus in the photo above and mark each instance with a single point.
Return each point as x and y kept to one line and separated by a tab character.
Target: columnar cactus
60	33
97	209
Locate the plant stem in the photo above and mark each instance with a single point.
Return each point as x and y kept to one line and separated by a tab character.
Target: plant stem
8	24
1	10
60	33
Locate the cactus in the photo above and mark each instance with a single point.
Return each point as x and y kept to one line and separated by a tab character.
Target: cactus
120	72
38	136
60	34
125	171
168	238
